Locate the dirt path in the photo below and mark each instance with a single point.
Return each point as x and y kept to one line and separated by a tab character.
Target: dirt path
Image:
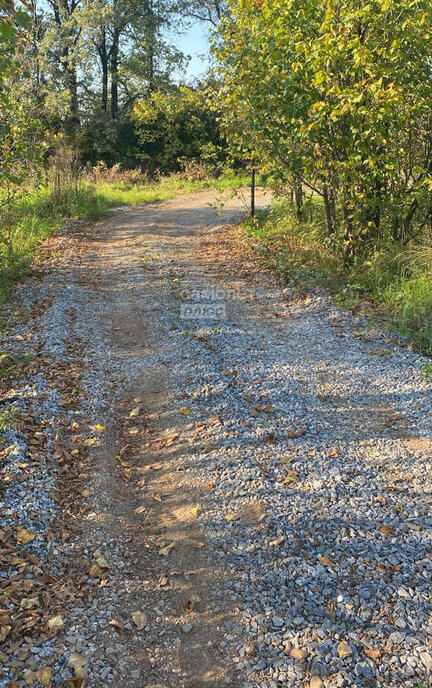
253	469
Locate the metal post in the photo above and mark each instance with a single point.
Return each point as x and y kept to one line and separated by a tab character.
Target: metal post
253	190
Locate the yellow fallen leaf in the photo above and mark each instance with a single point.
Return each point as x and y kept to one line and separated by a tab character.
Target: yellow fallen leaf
44	676
24	536
86	492
135	412
90	441
122	461
164	551
56	623
387	530
286	459
230	518
185	410
139	619
74	452
100	428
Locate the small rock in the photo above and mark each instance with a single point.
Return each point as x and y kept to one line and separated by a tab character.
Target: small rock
316	682
299	653
343	649
186	628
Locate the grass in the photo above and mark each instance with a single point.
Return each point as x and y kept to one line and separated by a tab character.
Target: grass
38	215
391	284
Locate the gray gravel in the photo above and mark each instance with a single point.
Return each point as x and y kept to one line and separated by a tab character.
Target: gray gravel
317	435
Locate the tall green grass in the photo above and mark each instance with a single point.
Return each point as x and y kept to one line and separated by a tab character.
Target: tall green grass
392	284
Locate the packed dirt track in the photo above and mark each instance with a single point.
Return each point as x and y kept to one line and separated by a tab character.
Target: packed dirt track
209	479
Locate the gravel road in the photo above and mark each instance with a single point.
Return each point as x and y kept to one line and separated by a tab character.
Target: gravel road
249	468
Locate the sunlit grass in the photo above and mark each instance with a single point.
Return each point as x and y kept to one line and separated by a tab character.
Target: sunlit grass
396	280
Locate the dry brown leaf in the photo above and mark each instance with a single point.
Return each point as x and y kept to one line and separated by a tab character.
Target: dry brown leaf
334	453
86	492
95	572
140	620
326	561
127	473
373	654
163	580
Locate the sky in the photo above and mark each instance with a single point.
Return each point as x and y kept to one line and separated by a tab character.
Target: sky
194	42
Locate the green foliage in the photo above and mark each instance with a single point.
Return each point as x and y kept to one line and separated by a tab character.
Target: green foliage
176	128
335	97
398	284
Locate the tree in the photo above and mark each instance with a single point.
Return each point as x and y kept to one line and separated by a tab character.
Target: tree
175	128
336	97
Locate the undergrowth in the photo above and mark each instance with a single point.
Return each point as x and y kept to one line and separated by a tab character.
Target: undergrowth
395	281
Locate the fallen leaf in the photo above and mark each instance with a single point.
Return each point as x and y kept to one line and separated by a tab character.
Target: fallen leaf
139	619
56	623
198	545
278	541
230	518
140	510
127	473
29	602
100	428
286	459
164	551
90	441
116	624
185	410
163	580
24	536
102	563
373	654
326	561
86	492
334	453
292	434
387	530
44	676
413	526
95	572
192	602
122	461
77	662
74	452
135	412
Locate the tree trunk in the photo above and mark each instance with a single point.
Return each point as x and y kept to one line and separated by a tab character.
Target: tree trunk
115	74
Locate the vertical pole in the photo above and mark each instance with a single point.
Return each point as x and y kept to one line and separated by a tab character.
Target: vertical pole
253	190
